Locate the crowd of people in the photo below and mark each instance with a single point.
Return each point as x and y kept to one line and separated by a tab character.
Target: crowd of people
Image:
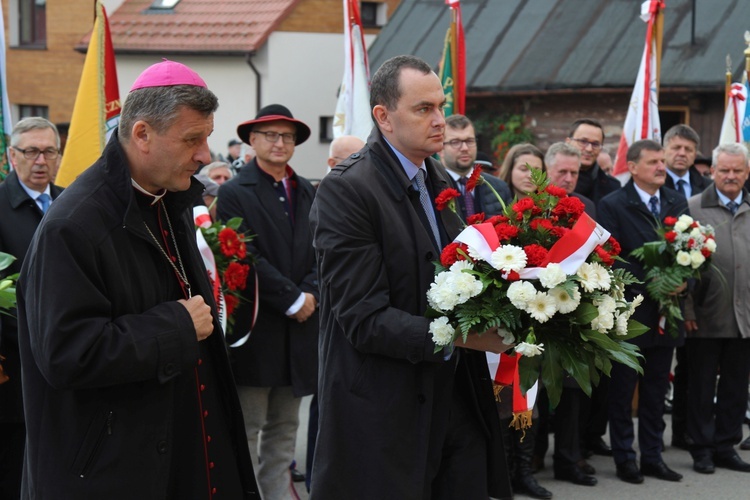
129	389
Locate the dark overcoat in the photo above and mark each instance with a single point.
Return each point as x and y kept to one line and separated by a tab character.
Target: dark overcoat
280	351
103	354
19	217
380	404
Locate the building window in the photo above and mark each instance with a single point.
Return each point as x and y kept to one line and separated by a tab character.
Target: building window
164	4
670	116
373	14
29	110
326	128
32	23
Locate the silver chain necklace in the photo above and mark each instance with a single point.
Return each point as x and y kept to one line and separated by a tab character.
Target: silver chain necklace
181	271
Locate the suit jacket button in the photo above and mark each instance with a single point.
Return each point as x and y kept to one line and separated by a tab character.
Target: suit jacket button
421	399
355	155
161	447
429	256
169	369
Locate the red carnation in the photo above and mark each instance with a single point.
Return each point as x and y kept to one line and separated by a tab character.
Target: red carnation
605	257
613	246
231	302
670	221
523	205
229	241
560	231
556	191
544	223
569	206
497	219
670	236
535	254
474	179
706	252
450	254
505	231
477	218
235	276
445	197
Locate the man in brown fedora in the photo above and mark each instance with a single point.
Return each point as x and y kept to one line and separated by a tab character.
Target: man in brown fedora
277	365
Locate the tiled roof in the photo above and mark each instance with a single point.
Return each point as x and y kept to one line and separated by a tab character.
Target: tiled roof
195	26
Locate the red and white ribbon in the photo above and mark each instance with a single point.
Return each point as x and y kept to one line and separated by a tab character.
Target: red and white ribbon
504	372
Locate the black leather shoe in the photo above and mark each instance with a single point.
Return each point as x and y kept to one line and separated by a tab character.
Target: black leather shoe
682	441
628	472
599	447
297	476
659	470
528	484
732	462
704	465
586	467
745	445
574	475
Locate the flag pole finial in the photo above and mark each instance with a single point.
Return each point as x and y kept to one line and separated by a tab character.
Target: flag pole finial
747	53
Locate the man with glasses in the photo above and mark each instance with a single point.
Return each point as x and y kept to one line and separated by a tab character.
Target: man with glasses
588	136
278	364
459	156
24	197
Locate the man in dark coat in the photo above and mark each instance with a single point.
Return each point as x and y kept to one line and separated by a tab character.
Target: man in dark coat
593	182
459	156
631	215
423	422
127	387
278	363
681	144
24	197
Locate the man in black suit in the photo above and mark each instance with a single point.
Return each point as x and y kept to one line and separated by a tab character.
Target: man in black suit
424	422
277	365
680	149
24	197
631	215
459	156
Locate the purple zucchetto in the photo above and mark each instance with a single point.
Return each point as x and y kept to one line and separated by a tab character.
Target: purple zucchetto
166	74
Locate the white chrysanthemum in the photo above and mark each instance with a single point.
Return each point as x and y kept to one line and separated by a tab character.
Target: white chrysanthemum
621	324
710	245
508	258
590	275
442	331
460	265
441	295
603	323
529	350
606	304
696	259
541	307
602	276
465	286
473	253
520	292
508	337
564	302
683	258
638	300
552	275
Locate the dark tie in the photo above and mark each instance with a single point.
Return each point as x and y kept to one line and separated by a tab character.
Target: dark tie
732	206
681	187
424	199
467	197
45	200
653	206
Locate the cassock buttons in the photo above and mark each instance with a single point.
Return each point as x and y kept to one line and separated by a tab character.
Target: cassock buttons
205	413
203	387
281	199
211	465
213	491
200	361
208	438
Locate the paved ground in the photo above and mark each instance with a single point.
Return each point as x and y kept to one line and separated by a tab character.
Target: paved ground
723	485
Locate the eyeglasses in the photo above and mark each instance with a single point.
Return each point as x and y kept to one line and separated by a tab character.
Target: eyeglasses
584	143
456	143
33	153
288	138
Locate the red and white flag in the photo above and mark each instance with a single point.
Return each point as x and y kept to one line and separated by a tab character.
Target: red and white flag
504	372
731	127
642	120
353	114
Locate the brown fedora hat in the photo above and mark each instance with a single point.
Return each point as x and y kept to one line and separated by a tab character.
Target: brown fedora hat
272	113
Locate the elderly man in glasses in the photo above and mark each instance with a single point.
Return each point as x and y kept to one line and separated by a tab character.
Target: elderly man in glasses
24	197
278	363
588	136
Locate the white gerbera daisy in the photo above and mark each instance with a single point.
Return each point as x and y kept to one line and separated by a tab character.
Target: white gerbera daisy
541	307
508	258
564	302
